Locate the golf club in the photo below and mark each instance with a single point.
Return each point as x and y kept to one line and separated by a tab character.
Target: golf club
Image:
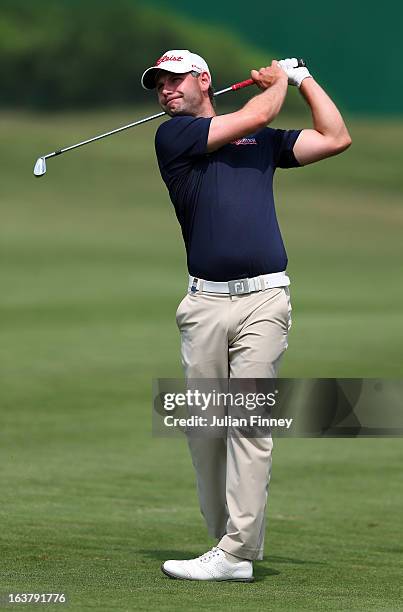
40	165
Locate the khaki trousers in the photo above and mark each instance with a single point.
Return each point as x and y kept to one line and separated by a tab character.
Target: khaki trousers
241	336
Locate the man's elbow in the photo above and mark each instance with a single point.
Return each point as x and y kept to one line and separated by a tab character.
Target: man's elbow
341	144
261	123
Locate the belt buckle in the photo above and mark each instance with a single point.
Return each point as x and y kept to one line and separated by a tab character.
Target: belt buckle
238	287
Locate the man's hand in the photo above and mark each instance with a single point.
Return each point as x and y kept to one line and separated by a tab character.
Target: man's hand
266	77
295	74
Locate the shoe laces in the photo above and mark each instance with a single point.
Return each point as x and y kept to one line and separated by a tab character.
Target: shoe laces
214	552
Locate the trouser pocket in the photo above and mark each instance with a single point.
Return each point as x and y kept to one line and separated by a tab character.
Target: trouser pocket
180	309
287	294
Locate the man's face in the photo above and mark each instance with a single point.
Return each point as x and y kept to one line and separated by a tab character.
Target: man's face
179	94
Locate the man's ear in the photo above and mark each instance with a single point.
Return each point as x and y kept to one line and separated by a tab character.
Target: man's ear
205	81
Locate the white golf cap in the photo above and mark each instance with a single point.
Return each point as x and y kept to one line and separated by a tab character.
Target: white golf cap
177	60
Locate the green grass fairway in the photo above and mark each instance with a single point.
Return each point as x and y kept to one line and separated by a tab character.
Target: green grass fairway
93	268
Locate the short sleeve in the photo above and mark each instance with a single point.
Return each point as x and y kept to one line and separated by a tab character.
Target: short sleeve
180	139
283	142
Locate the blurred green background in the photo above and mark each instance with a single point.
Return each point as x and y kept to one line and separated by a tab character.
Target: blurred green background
93	268
63	53
353	48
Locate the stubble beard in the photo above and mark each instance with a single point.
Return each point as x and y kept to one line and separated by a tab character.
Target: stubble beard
191	105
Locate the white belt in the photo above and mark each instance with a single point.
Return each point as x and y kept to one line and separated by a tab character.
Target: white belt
239	286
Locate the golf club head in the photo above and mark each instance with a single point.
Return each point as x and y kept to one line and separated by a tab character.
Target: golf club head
40	167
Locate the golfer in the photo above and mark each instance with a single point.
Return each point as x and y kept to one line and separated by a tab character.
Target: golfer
235	318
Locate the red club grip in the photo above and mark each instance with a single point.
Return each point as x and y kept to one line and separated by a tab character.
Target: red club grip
301	63
243	84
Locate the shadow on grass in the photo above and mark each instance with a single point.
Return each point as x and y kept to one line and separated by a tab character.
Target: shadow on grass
275	559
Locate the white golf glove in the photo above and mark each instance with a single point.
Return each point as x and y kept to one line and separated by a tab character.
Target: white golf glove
295	74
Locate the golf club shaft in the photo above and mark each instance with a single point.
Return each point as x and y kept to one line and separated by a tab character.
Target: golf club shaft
84	142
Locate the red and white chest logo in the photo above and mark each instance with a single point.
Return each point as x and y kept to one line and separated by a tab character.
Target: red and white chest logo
244	141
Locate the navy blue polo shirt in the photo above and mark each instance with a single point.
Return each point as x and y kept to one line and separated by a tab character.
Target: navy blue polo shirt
224	200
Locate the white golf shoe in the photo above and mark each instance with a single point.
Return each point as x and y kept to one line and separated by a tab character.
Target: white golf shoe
213	565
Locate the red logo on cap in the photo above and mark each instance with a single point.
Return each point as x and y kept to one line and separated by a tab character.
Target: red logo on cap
167	58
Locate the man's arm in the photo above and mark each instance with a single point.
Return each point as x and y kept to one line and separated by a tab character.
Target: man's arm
329	135
257	112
